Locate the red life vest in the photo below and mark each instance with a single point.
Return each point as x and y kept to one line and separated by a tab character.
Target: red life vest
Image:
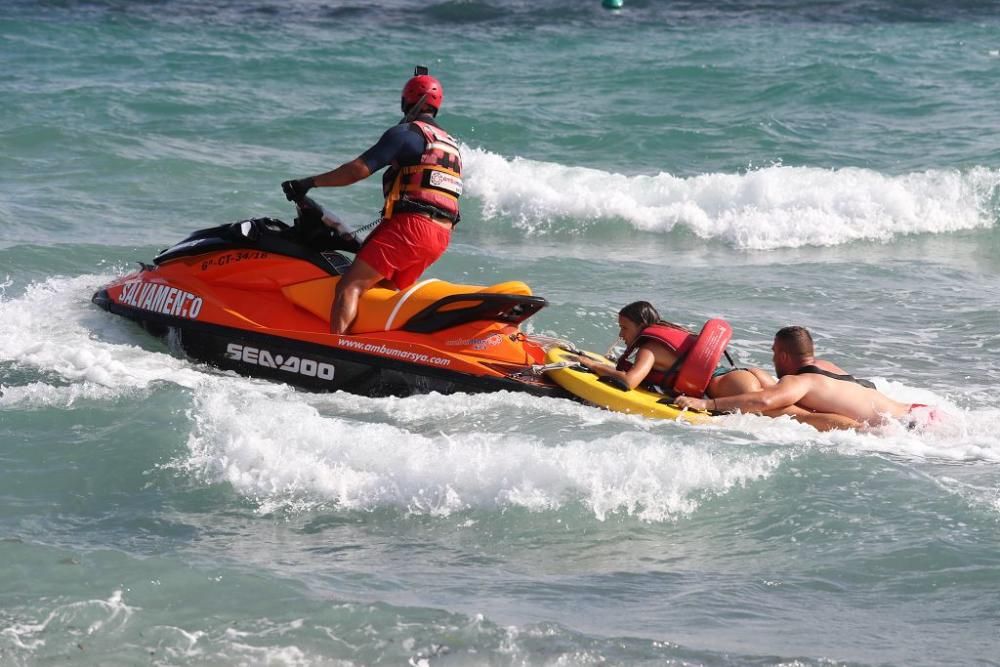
697	356
434	185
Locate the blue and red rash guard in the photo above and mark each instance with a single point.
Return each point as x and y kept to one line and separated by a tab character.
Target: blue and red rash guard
400	144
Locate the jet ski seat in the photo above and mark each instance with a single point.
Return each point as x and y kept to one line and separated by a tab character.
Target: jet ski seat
426	306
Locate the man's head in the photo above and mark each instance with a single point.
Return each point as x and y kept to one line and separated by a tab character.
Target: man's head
424	86
792	346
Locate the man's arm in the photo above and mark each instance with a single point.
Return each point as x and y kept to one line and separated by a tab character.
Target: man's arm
345	174
644	360
395	143
788	391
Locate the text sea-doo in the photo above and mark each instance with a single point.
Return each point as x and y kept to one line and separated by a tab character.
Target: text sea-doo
254	296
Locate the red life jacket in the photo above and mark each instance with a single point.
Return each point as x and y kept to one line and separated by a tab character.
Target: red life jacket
697	356
432	186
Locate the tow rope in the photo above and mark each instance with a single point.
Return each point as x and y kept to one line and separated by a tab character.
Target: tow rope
539	369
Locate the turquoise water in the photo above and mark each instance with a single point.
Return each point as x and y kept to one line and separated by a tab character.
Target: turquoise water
835	165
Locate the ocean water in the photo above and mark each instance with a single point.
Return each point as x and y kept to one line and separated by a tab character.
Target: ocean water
834	165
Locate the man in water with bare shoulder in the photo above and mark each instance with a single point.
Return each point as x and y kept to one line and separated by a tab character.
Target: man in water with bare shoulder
816	385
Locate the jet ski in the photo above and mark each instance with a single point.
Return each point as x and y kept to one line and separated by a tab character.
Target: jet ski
255	296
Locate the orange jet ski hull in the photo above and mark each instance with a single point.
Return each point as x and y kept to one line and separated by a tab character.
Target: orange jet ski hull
255	297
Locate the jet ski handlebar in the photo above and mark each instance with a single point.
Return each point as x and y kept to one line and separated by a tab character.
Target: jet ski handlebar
295	190
314	224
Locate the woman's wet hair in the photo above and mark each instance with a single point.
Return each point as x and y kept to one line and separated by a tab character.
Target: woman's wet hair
642	313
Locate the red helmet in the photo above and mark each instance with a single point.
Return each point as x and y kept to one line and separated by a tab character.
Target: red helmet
419	86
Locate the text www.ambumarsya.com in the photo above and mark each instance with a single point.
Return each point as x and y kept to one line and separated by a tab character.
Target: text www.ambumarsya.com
379	348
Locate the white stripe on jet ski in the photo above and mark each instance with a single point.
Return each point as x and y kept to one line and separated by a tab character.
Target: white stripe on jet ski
402	300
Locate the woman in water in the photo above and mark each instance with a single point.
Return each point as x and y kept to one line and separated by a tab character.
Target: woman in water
655	365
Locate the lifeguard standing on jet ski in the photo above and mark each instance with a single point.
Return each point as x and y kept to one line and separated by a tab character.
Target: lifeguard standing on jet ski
421	189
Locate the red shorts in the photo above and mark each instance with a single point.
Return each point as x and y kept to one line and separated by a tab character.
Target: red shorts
403	246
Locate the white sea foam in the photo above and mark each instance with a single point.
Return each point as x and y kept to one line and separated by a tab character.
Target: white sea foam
958	434
76	619
771	207
117	630
288	454
265	644
43	395
54	329
287	449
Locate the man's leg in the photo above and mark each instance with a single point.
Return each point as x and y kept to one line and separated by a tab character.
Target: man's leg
360	278
821	421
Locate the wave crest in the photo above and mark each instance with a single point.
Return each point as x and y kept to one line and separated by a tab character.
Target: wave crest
762	209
